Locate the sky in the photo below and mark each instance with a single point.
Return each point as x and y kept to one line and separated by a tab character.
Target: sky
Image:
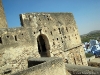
86	12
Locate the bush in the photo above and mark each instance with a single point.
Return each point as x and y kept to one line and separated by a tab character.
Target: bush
89	54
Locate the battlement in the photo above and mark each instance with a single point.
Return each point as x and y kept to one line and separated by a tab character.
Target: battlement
46	19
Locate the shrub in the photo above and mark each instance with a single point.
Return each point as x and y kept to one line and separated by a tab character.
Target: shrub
89	54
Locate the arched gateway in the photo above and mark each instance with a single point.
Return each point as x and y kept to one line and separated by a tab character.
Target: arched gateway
43	45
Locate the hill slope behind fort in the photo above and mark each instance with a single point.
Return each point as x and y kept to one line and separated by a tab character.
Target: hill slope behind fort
91	35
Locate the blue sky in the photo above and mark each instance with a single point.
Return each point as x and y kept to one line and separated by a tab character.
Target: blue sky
86	12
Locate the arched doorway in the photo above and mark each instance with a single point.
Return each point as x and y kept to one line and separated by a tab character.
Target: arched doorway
43	45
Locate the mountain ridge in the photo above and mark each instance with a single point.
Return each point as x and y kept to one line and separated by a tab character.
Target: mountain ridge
95	34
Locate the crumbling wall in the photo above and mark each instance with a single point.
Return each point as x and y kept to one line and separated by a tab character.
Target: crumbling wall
3	23
59	32
76	56
16	46
62	32
50	66
82	70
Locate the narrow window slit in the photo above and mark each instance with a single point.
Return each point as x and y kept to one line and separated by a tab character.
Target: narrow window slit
0	40
15	38
74	61
57	38
59	30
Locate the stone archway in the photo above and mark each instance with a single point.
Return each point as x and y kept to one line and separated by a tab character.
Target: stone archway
43	45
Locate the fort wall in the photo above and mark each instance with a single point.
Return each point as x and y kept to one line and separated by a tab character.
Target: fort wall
62	32
41	35
49	66
82	70
3	23
15	47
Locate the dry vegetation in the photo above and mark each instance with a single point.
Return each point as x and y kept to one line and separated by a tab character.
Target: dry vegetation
94	64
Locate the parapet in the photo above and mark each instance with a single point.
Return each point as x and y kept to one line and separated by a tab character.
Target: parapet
82	70
44	66
46	19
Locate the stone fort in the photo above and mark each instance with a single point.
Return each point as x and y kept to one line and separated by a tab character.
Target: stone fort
42	38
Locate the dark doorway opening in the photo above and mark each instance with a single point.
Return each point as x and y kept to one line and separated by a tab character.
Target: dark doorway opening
43	46
33	63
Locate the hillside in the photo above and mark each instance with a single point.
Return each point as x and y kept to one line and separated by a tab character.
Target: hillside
91	35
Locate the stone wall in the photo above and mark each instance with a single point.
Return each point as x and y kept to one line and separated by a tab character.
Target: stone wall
75	56
3	23
60	28
82	70
41	35
61	31
49	66
16	46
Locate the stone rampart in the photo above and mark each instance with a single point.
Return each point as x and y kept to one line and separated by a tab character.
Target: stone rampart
41	35
82	70
48	66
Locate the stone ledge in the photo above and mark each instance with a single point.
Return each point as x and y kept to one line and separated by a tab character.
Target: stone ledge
72	48
51	66
82	70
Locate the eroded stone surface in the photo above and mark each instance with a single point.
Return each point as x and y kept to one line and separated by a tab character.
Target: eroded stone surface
40	35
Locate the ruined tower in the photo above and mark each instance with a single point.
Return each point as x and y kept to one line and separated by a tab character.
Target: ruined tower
3	23
40	35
